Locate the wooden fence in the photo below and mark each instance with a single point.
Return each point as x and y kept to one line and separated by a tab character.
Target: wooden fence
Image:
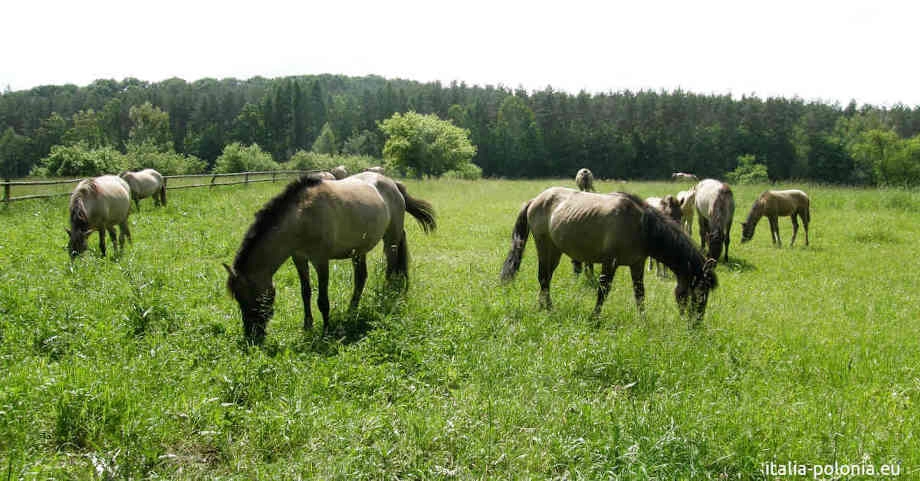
41	189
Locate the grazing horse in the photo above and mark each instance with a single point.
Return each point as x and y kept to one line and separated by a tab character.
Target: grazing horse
314	220
146	183
584	179
774	204
99	204
325	175
715	207
684	176
614	229
668	206
378	169
339	172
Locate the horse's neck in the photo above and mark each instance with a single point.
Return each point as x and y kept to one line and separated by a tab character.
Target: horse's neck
263	259
756	213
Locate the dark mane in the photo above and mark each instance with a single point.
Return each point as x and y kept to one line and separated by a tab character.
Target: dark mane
78	219
667	242
756	211
267	217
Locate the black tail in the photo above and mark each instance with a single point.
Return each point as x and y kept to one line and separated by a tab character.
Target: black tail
518	243
163	193
420	209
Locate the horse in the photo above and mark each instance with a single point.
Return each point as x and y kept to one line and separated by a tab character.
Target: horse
684	176
325	175
668	206
584	179
612	229
146	183
687	199
715	207
314	221
99	204
774	204
339	172
378	169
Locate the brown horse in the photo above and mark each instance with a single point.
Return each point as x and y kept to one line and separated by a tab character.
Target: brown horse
584	179
315	220
670	207
614	230
715	207
99	204
774	204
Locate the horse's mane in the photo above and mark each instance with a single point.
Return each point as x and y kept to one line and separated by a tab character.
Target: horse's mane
267	217
667	241
757	208
78	217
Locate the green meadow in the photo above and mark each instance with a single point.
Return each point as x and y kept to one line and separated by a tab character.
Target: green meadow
134	367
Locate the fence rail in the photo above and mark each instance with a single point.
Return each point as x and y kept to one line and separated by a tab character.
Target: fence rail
43	189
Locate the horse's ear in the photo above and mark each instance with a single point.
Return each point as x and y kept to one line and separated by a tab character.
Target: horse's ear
710	264
67	231
229	269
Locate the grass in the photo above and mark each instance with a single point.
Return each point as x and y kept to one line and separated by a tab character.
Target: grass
135	368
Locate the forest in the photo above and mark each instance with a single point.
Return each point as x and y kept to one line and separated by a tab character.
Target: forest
516	133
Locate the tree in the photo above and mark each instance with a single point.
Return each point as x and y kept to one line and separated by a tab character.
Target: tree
325	143
79	160
748	171
149	125
86	129
519	140
424	144
13	150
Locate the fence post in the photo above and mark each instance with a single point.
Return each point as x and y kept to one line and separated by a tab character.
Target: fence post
246	179
6	192
273	176
212	181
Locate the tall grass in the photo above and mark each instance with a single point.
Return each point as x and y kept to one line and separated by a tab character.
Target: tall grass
134	367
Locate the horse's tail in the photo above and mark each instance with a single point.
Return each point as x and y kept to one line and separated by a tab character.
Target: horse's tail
163	192
518	243
723	209
422	211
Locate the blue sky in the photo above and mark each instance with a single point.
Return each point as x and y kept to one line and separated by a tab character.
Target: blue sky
815	50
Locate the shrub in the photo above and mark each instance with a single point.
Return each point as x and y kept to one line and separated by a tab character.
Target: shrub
167	163
304	160
78	160
236	158
748	172
465	171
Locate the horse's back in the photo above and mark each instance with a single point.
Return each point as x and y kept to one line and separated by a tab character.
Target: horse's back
143	182
785	202
109	201
586	226
708	193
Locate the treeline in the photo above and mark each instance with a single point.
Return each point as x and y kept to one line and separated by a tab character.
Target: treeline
637	135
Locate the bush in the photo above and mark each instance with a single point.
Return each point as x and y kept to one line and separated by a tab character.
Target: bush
236	158
466	171
78	160
748	172
167	163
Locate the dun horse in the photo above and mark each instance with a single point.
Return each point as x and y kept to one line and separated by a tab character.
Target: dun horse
687	201
584	179
146	183
614	230
339	172
774	204
715	207
99	204
668	206
315	220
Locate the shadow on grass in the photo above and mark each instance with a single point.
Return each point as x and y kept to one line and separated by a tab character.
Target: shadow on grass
737	264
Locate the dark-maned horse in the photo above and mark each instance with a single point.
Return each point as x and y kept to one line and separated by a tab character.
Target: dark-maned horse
684	176
670	207
774	204
584	179
146	183
314	221
378	169
715	207
614	229
99	204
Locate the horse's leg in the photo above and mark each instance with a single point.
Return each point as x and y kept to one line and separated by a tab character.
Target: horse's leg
322	273
137	204
704	231
727	238
805	220
774	229
360	263
114	239
548	258
638	280
603	284
576	267
102	241
303	270
123	232
795	229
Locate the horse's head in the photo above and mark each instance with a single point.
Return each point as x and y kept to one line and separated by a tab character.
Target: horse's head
747	231
256	303
693	293
77	243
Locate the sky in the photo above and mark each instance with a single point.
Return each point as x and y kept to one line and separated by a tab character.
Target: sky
829	51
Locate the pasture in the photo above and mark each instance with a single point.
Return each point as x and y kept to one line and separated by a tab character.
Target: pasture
135	367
